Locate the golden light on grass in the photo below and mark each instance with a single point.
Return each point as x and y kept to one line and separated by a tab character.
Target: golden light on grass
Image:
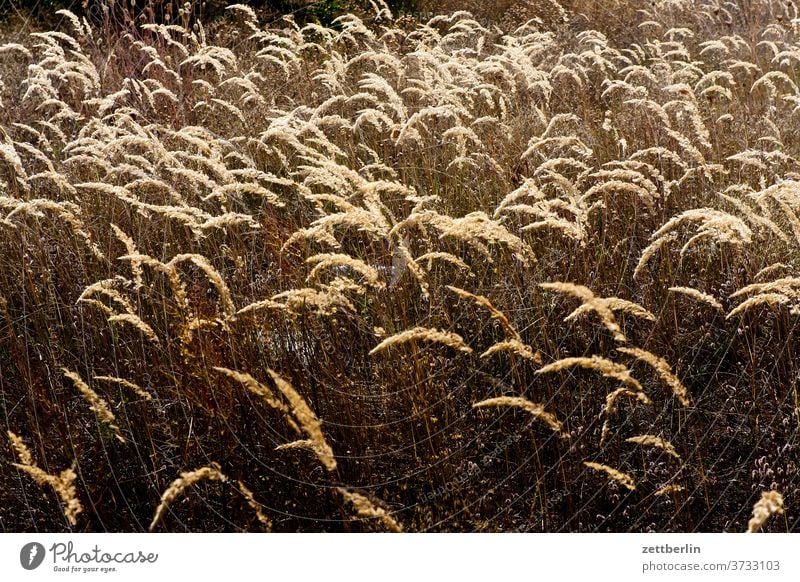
667	489
532	408
125	384
136	322
662	367
257	508
484	302
296	411
604	307
181	484
612	401
416	334
649	440
96	404
307	420
516	347
622	478
281	241
258	389
698	296
63	483
368	509
606	367
771	503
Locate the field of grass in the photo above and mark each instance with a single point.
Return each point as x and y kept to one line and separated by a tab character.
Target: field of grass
529	269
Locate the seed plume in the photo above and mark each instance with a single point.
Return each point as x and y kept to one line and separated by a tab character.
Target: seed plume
367	509
771	503
622	478
447	338
179	485
535	410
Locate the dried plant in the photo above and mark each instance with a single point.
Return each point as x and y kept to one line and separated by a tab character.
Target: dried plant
450	339
715	225
612	401
181	484
63	483
255	506
622	478
299	415
515	347
771	503
606	367
135	321
535	410
183	199
484	302
667	489
662	367
604	307
367	509
697	295
307	420
649	440
125	384
96	404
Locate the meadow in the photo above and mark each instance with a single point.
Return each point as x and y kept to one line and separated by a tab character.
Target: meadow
529	268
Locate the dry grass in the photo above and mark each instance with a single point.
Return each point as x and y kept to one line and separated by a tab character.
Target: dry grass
126	384
663	369
649	440
622	478
257	508
307	421
377	255
96	404
63	483
516	347
606	367
535	410
416	334
367	509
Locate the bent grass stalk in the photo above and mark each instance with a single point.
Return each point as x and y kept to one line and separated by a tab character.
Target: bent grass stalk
532	408
662	367
63	483
367	509
450	339
296	411
770	503
622	478
649	440
96	404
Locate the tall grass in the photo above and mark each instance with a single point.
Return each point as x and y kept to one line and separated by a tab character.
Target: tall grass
532	271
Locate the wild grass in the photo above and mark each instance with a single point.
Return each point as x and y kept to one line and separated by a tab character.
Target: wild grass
529	269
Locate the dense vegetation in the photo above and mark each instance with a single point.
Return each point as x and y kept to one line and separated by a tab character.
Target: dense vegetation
529	269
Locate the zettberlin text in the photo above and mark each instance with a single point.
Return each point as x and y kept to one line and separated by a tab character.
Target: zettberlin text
665	549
